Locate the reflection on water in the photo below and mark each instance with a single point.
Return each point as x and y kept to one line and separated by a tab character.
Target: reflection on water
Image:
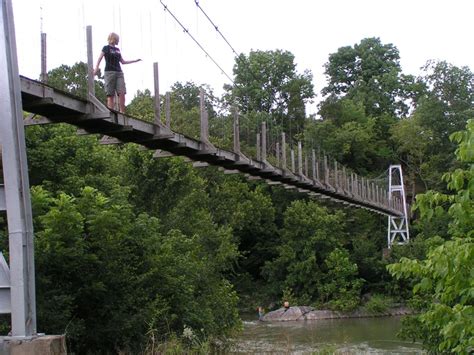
341	336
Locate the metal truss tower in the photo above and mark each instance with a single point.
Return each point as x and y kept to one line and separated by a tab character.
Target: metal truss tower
15	194
398	232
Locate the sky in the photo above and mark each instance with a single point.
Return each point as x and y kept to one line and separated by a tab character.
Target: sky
311	30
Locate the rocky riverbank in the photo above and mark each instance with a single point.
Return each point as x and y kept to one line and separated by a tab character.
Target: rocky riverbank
298	313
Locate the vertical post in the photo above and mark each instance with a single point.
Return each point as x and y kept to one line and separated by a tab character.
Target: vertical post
156	81
277	151
292	157
168	110
362	188
264	141
283	151
259	156
236	132
313	164
344	178
17	187
204	118
44	68
326	170
300	159
305	172
336	177
90	65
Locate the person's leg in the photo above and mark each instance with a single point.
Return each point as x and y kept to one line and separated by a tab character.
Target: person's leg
121	91
111	102
110	84
122	102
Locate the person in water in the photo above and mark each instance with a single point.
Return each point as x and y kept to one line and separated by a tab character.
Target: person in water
260	312
113	75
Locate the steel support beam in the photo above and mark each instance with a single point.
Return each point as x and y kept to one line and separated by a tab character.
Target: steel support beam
17	187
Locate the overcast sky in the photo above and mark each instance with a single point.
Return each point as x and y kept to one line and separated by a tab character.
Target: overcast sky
310	29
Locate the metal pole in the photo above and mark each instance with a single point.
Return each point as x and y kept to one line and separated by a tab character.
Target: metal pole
300	159
90	65
283	151
236	132
292	156
277	152
17	187
44	69
168	110
204	118
156	80
259	150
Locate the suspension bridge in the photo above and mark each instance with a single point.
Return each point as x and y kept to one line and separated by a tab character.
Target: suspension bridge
303	170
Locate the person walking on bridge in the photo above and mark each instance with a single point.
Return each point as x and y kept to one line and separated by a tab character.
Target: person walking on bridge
113	75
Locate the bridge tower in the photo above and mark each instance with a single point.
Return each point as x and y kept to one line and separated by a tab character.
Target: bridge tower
397	226
15	193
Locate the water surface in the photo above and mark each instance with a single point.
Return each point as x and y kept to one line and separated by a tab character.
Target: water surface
340	336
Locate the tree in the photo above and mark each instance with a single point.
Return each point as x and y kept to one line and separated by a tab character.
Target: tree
341	287
444	282
74	80
142	106
309	235
267	81
423	141
369	73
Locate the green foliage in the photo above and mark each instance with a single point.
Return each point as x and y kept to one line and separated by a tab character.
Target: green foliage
341	287
251	216
445	278
308	236
74	80
111	273
60	160
368	73
377	304
267	81
142	106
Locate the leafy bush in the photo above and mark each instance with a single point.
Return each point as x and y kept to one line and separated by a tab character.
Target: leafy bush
378	304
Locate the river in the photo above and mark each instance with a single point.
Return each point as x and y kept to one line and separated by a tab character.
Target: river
338	336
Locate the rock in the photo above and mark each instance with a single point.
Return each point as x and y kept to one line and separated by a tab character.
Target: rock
289	314
297	313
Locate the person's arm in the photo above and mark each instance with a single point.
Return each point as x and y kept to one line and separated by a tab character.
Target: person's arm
96	69
123	61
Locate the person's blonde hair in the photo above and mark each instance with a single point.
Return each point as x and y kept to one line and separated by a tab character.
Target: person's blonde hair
113	38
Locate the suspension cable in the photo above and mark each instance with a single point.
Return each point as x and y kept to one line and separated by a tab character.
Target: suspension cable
195	41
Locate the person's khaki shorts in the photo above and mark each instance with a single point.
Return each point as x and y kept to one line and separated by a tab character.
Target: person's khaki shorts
114	83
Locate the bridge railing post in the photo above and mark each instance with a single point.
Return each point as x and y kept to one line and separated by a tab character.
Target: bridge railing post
283	151
236	131
157	104
292	157
300	159
44	68
204	135
168	110
90	65
277	152
258	146
305	172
